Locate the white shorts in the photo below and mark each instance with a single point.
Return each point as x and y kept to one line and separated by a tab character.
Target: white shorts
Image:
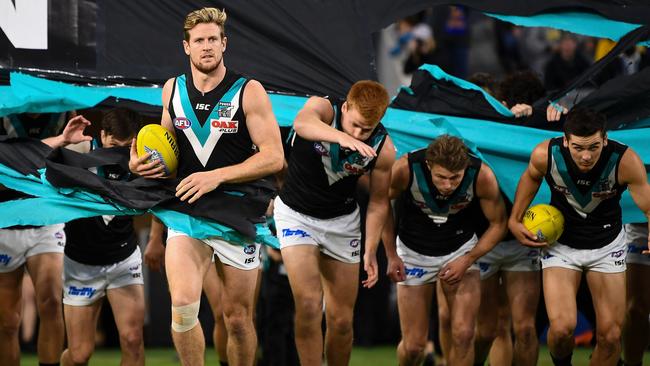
422	269
339	237
509	256
84	284
608	259
242	256
637	242
16	245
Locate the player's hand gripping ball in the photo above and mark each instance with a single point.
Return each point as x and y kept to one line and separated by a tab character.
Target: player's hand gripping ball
155	139
545	221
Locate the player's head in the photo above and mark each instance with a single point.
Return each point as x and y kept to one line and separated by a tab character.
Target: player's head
364	106
205	39
485	81
520	87
119	127
447	157
585	136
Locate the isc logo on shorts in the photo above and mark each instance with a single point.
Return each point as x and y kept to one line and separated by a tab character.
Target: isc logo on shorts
224	126
182	123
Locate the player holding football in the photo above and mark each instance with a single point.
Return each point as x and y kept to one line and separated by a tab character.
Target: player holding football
226	133
587	174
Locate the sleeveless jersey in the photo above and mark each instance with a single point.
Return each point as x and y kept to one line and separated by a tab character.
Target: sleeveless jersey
589	201
322	176
101	240
211	129
430	223
43	126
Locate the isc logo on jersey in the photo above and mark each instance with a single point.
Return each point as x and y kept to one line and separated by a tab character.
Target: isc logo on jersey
182	123
224	126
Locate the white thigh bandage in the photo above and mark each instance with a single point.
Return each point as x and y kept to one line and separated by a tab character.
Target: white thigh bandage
185	317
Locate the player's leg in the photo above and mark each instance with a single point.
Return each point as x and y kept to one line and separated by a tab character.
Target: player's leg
186	261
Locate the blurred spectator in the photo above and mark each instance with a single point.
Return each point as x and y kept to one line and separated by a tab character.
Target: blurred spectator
416	40
507	44
451	31
565	64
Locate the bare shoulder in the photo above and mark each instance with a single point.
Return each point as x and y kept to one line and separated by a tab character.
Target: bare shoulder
539	157
167	91
486	182
631	167
319	106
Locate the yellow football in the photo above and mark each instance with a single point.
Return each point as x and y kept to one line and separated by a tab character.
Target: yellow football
155	139
545	221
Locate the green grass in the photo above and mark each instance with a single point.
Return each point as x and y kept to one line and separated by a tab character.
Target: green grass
375	356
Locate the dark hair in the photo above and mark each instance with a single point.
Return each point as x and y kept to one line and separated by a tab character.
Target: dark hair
584	122
520	87
121	123
449	152
485	80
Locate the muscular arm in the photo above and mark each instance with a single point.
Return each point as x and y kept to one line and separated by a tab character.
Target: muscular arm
527	188
378	208
489	196
494	210
632	172
313	123
398	184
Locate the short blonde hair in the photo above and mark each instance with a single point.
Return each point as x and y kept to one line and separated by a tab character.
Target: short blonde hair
369	98
205	15
449	152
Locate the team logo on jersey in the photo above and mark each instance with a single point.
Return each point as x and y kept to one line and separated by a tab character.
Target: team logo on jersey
182	123
604	190
224	126
355	243
250	249
224	109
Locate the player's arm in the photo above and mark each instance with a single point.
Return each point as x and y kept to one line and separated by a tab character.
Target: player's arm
73	133
154	253
265	134
398	183
313	123
494	209
632	172
139	165
527	188
378	209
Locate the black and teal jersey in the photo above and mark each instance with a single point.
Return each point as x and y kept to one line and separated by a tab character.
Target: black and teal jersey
322	176
211	129
37	126
589	201
430	223
101	240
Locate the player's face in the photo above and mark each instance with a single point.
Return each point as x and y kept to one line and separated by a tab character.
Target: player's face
205	47
585	151
355	125
111	141
445	180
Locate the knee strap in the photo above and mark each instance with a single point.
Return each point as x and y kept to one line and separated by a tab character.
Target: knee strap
185	317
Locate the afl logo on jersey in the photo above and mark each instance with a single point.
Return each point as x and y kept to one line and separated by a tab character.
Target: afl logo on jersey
182	123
